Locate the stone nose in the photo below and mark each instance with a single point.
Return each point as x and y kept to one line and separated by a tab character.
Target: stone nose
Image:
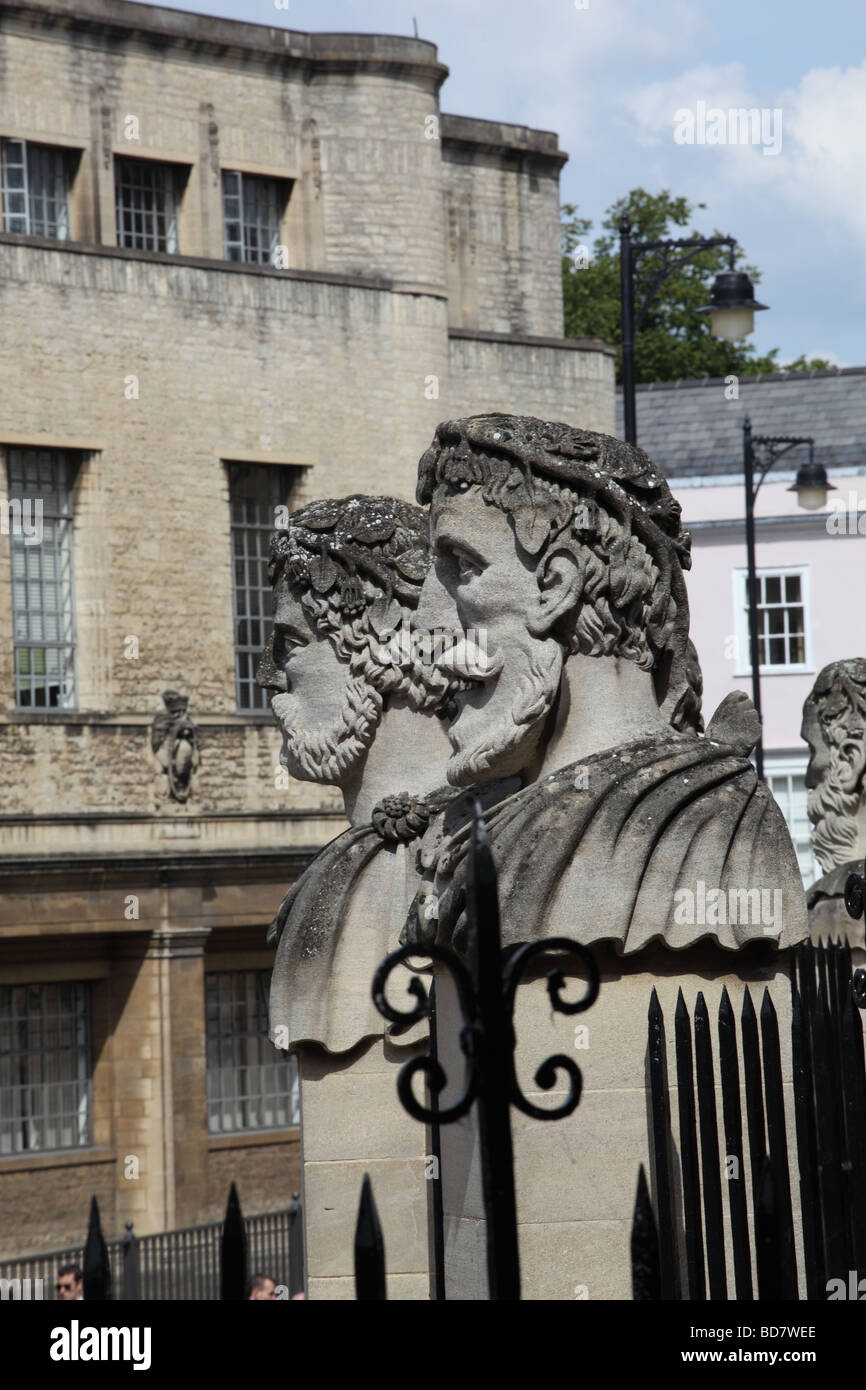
436	610
268	674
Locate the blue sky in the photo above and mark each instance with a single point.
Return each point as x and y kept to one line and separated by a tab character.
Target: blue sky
609	78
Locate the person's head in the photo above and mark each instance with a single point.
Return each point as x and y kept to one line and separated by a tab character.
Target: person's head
347	574
70	1282
554	542
834	726
261	1286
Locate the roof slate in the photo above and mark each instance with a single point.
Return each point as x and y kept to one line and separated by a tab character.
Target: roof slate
688	428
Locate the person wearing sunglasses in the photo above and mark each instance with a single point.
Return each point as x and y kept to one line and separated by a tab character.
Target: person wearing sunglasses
70	1283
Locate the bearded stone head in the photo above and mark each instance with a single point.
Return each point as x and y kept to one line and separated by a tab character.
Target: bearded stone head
551	542
834	726
346	575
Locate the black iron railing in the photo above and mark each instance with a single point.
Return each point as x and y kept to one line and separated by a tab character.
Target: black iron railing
182	1264
680	1249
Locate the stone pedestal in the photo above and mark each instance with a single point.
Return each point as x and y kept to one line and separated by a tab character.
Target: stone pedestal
576	1178
352	1123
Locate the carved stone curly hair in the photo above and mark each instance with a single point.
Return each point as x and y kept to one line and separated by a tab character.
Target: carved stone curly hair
606	504
357	565
838	698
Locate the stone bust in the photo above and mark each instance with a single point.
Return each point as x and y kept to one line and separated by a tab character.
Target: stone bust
834	726
357	705
565	548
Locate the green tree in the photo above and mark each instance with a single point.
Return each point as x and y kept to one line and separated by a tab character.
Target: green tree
674	342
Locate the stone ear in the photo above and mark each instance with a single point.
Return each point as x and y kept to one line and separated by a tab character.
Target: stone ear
851	764
560	584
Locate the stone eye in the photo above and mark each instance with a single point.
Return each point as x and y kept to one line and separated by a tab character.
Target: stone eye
466	568
284	645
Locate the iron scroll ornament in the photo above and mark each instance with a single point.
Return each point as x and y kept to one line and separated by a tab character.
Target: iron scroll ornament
478	1025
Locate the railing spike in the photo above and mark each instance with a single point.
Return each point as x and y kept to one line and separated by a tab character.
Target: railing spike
97	1271
369	1248
645	1263
233	1252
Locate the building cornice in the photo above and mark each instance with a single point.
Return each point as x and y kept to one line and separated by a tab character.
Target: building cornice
500	137
716	382
812	524
525	340
321	277
181	34
158	868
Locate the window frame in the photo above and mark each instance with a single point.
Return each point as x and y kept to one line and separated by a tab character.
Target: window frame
64	559
792	765
221	1038
282	188
81	1116
741	622
176	177
285	478
64	165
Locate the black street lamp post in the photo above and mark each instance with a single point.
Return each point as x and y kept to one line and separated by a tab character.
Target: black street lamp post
731	308
760	453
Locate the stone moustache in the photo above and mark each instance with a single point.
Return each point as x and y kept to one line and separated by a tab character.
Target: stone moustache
566	548
834	726
359	713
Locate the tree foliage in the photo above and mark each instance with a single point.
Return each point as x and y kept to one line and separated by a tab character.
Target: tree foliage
674	342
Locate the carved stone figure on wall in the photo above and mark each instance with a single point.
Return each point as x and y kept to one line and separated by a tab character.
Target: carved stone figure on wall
834	726
175	745
357	700
565	548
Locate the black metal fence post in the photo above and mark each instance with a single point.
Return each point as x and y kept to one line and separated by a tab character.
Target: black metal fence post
487	1040
233	1252
131	1268
495	1041
369	1248
662	1145
97	1271
645	1260
296	1247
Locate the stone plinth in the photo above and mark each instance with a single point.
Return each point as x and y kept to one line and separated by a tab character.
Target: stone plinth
576	1178
352	1123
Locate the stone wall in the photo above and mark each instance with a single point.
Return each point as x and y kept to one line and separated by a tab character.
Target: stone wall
502	226
569	380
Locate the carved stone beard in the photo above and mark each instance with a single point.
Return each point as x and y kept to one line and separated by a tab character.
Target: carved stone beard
327	753
519	727
833	812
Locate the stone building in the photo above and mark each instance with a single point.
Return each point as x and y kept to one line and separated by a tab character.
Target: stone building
240	267
811	565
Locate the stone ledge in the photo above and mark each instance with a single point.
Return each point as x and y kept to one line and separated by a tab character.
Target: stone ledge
254	1139
124	253
132	720
497	136
481	335
57	1158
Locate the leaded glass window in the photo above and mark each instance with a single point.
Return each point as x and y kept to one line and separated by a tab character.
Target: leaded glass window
250	1085
39	518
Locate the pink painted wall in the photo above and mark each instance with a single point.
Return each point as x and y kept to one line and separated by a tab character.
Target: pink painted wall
837	587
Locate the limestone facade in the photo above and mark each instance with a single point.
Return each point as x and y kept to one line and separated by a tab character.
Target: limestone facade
418	277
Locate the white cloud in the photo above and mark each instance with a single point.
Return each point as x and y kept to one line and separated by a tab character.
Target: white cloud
819	172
